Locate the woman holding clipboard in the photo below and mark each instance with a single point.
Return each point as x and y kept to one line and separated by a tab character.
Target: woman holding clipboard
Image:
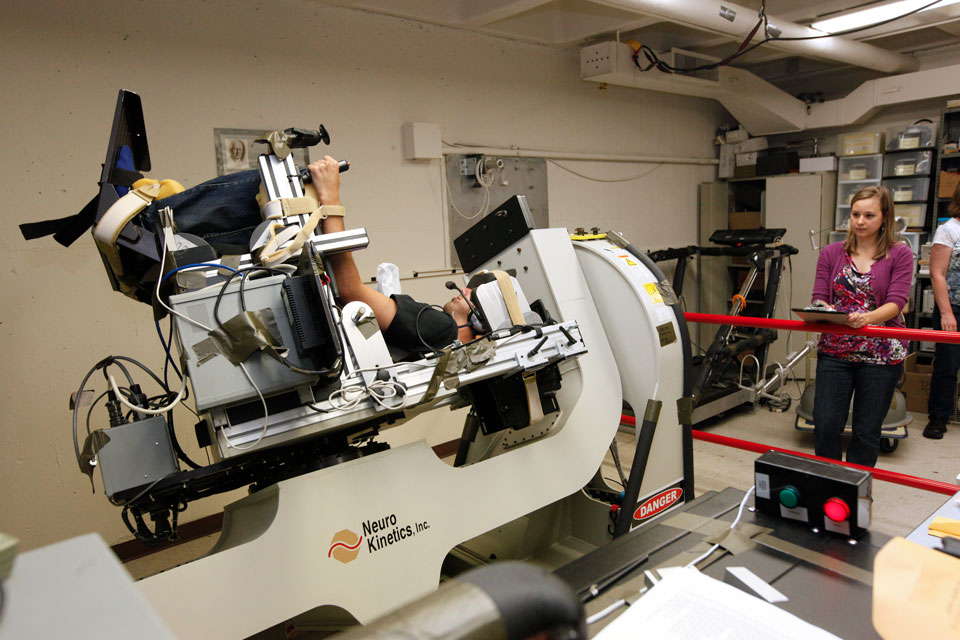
867	276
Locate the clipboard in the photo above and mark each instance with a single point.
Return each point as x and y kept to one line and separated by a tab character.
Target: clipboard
821	315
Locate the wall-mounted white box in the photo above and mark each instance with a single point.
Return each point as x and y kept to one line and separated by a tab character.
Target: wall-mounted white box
421	141
822	163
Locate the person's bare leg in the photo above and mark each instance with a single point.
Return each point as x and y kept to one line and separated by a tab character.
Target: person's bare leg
326	180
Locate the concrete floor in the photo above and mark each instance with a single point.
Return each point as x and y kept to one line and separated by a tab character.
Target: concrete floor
897	509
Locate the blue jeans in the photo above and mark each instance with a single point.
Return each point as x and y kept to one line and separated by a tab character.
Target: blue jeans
943	383
222	211
872	387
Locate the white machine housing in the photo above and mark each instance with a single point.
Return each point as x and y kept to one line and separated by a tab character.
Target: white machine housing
366	536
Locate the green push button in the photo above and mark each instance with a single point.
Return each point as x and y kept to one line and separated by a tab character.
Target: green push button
789	496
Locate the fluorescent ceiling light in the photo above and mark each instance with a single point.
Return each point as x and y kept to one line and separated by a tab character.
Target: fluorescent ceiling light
875	14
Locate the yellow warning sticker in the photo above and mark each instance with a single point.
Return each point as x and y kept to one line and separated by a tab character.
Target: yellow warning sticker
654	292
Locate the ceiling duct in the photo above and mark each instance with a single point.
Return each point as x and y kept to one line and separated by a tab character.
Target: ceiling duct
737	21
681	59
759	106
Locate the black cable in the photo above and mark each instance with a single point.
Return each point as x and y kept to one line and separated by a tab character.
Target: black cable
435	351
181	454
284	360
126	372
126	520
243	279
216	305
169	359
146	369
92	405
242	273
655	60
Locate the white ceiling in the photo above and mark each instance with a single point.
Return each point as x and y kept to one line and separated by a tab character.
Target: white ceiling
933	35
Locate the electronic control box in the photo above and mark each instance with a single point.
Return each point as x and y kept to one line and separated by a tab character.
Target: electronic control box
826	496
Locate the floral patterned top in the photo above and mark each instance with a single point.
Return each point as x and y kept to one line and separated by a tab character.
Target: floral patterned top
853	291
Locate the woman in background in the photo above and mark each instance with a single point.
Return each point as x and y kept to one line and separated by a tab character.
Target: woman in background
868	277
945	278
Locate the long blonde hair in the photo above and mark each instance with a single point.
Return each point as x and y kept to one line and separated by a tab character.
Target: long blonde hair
888	234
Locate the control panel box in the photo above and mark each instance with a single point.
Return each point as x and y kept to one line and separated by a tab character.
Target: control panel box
826	496
136	454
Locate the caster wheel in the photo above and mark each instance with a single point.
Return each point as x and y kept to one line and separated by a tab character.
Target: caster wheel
888	445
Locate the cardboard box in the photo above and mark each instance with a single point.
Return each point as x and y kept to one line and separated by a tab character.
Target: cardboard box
753	144
746	159
744	220
916	383
948	184
728	157
736	135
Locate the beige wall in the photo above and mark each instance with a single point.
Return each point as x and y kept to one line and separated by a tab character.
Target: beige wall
267	65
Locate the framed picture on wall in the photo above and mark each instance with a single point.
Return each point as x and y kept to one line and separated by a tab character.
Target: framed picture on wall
236	151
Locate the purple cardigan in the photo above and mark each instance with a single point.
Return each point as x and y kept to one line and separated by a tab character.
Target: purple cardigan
891	276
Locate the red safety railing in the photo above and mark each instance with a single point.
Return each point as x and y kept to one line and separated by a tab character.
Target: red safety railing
930	335
951	337
926	484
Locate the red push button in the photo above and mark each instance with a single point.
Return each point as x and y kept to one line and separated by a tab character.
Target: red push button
836	509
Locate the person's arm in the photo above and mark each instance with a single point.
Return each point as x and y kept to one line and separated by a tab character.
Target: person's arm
939	262
821	282
886	311
326	180
901	273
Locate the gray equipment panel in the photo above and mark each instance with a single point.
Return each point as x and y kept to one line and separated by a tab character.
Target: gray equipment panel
524	176
136	454
217	382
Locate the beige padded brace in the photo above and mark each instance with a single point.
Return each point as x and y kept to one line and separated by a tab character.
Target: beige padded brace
272	254
509	296
108	229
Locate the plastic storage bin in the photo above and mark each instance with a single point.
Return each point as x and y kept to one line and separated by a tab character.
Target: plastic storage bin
846	190
858	144
908	189
858	168
907	163
916	136
914	214
912	240
842	220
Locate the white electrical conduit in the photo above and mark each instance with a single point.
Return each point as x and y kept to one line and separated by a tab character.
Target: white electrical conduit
564	155
705	15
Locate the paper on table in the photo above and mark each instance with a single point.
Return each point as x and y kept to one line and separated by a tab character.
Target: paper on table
687	604
761	587
916	592
944	527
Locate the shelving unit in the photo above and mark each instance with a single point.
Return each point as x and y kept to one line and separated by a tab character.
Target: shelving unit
908	165
907	174
949	133
855	173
